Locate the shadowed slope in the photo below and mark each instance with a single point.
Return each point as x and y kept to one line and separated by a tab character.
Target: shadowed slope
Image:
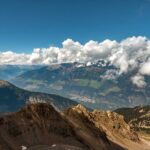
12	98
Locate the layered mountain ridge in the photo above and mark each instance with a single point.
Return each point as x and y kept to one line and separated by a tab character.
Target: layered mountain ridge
8	72
98	85
13	98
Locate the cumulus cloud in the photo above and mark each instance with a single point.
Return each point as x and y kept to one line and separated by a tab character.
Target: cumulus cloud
10	57
127	55
138	80
145	68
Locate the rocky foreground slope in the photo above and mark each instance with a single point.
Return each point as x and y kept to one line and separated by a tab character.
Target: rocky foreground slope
38	126
138	118
113	125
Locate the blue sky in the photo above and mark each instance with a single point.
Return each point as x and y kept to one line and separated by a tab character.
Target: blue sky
27	24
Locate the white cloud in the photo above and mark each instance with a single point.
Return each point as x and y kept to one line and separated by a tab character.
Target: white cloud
138	80
145	68
128	54
10	57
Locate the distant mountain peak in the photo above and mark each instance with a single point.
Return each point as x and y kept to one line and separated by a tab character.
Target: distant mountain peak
5	83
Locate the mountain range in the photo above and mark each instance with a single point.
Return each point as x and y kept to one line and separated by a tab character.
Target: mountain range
8	72
38	121
96	85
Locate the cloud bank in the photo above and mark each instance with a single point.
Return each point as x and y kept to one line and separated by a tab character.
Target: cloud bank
127	55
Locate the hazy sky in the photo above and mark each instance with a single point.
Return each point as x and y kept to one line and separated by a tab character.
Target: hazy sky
28	24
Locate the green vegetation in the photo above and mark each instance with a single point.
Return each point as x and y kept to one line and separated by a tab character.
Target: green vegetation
91	83
95	84
113	89
82	82
35	81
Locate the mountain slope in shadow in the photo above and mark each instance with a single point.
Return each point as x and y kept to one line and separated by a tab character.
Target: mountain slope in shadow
12	98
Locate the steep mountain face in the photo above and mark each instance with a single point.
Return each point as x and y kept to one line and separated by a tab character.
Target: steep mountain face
39	126
98	85
138	118
8	72
12	98
110	123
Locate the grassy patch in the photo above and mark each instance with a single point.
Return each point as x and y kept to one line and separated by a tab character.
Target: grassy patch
113	89
82	82
37	82
90	83
95	84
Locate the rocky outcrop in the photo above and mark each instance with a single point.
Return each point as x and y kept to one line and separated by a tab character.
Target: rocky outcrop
111	123
114	125
138	119
40	126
